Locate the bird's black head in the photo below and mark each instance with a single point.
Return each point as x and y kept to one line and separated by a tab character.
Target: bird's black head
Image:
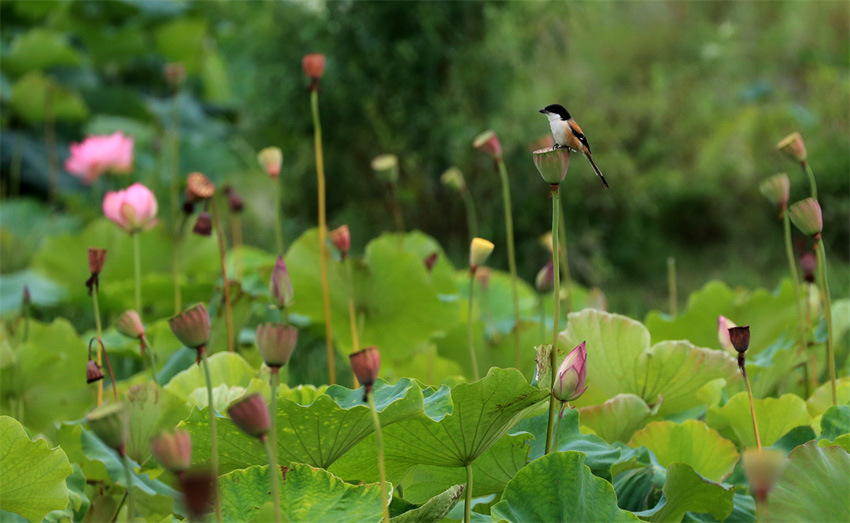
556	109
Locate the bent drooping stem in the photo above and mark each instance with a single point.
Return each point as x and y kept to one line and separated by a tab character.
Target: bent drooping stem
380	442
813	186
99	330
556	316
323	234
827	311
213	435
470	338
509	232
225	283
801	320
271	445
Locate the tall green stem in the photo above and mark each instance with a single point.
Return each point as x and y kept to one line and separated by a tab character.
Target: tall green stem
813	186
131	507
397	215
801	319
381	472
174	196
509	231
467	508
228	312
556	316
278	230
471	218
213	434
672	292
565	266
271	446
137	271
145	343
743	366
352	318
323	233
827	310
99	330
470	337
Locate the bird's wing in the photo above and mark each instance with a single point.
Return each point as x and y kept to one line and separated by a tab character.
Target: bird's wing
576	130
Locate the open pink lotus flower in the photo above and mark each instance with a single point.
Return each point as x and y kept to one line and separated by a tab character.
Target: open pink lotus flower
133	209
99	154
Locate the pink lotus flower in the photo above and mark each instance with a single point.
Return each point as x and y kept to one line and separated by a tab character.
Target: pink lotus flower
99	154
723	326
572	375
133	209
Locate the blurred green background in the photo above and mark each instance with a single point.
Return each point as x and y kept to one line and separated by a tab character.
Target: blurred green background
682	102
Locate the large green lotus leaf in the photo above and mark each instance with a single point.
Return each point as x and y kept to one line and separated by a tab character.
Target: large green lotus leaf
495	302
835	422
813	487
29	95
317	433
687	491
775	417
821	399
181	40
458	427
771	367
39	48
422	245
399	305
46	382
773	313
426	365
618	418
226	368
691	442
306	494
559	487
620	360
435	509
33	479
151	409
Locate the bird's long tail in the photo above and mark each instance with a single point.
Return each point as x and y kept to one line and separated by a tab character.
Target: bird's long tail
598	172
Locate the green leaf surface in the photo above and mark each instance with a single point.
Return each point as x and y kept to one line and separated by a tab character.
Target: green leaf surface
435	509
226	368
39	49
821	400
32	482
618	418
181	40
687	491
835	422
813	487
306	494
559	487
29	95
775	417
151	409
692	443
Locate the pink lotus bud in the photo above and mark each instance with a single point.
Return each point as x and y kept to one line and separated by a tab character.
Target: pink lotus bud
479	250
545	280
453	178
793	147
488	142
93	372
552	164
203	225
99	154
173	450
572	374
251	415
276	343
199	187
776	189
109	423
130	324
280	285
806	215
763	467
723	326
314	65
133	209
808	262
341	239
198	487
234	202
365	365
271	158
740	338
192	326
431	260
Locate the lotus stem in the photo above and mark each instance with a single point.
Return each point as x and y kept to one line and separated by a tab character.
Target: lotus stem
565	266
742	364
146	344
509	231
99	331
555	193
236	232
471	218
137	270
323	234
801	320
467	507
278	229
827	310
352	318
15	175
213	435
131	507
471	339
174	196
380	443
672	292
397	215
812	184
225	283
271	444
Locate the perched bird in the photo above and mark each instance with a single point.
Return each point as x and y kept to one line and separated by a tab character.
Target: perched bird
567	133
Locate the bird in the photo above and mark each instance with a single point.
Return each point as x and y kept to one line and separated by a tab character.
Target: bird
567	133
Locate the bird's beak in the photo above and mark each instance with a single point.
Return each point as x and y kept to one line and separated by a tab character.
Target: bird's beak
543	111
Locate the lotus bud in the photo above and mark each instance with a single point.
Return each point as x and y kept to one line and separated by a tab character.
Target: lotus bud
365	365
192	326
280	285
93	372
763	467
130	324
199	186
552	164
173	450
386	167
453	178
175	74
740	338
482	276
271	158
569	383
276	343
234	202
776	189
198	488
109	423
341	239
251	415
806	215
808	262
723	326
133	209
793	147
431	260
203	225
314	66
547	242
545	279
479	250
488	142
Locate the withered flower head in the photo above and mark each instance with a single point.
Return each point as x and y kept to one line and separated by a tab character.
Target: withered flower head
192	326
130	324
740	338
93	372
173	450
552	164
203	225
97	257
314	65
234	201
431	260
276	343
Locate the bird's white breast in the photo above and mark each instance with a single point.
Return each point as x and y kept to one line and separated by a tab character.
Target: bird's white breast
559	128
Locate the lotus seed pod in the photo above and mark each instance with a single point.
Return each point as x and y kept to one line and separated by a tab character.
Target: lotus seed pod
234	201
763	467
365	365
203	225
276	343
93	372
109	423
251	415
130	325
552	164
479	250
793	147
314	65
740	338
192	326
173	450
569	383
453	178
271	158
806	215
97	257
776	189
488	142
199	186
